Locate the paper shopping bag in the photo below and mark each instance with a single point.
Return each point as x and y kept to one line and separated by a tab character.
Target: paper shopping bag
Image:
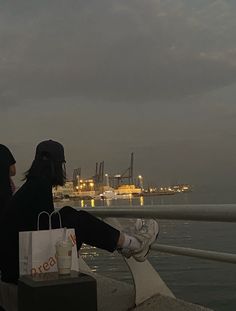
37	250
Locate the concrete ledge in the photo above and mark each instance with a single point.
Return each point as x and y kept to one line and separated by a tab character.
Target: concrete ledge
119	296
162	303
111	295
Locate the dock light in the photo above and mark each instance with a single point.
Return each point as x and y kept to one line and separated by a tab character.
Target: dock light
107	180
140	178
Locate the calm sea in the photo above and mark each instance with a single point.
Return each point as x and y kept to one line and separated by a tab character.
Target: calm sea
203	282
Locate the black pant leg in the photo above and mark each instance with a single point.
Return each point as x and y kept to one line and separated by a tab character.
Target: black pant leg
89	229
3	204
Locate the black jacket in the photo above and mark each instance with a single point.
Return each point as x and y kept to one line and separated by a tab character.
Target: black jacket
21	214
6	160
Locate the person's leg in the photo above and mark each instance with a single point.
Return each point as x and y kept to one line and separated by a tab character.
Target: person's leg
95	232
89	229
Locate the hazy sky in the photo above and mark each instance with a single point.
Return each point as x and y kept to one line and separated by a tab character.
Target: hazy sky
111	77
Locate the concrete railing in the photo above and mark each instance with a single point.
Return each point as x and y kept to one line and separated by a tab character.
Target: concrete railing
211	213
221	213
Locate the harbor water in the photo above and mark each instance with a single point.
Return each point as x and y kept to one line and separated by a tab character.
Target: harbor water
204	282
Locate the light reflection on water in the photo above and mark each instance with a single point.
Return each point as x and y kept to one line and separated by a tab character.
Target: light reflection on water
138	201
203	282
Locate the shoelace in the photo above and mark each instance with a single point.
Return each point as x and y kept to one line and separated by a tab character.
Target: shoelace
144	228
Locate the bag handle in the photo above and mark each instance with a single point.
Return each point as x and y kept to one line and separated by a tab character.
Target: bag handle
49	219
44	212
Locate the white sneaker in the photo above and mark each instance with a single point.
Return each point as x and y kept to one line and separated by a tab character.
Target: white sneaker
146	232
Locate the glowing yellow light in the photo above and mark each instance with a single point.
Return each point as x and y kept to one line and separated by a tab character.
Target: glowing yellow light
141	201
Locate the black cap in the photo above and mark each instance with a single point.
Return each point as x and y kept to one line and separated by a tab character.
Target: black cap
52	149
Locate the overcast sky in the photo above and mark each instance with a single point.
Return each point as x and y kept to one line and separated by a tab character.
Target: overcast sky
111	77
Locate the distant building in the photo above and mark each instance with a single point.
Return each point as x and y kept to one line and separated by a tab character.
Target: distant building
65	191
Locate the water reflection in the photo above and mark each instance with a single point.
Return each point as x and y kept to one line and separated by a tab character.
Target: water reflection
129	201
141	201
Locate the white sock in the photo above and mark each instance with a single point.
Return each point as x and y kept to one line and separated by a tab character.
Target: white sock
130	242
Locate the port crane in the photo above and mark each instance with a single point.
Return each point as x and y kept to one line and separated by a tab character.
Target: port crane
128	174
76	176
114	181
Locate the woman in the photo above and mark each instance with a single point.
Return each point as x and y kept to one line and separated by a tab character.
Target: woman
7	169
35	196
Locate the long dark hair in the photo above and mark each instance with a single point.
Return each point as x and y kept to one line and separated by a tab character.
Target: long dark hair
53	170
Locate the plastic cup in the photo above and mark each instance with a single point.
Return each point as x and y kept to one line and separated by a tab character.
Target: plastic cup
63	255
